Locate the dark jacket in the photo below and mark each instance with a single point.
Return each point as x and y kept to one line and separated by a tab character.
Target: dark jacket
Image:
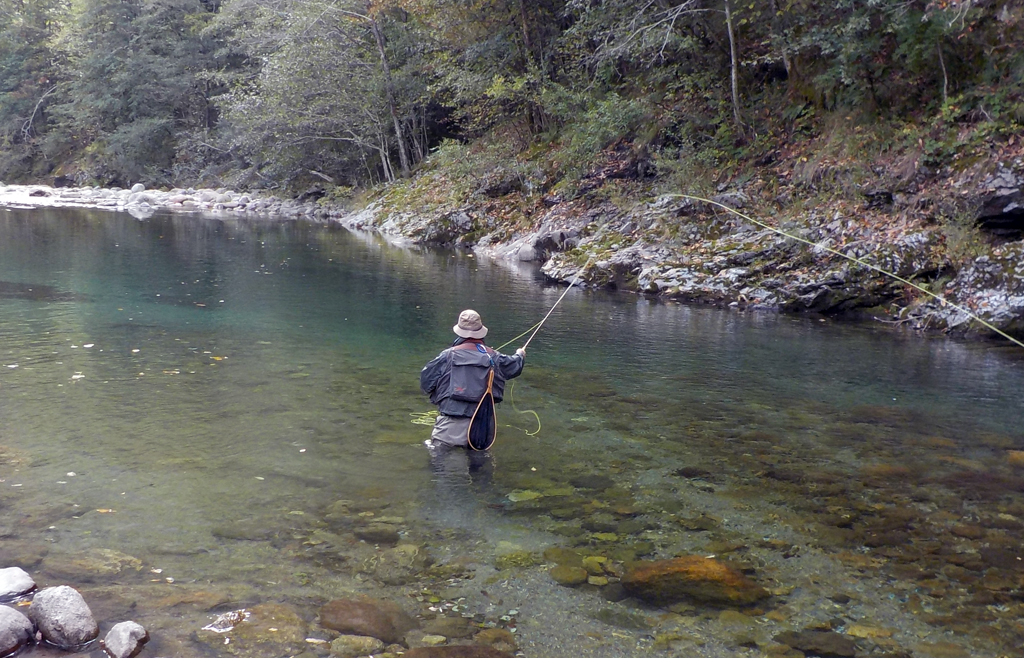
435	378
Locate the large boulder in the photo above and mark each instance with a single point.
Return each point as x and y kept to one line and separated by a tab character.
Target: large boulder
16	630
125	639
691	577
377	619
14	582
63	617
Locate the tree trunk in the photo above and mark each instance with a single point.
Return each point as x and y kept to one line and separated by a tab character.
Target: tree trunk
945	77
734	68
403	156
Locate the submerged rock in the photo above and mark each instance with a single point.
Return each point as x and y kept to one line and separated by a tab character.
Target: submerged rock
63	617
264	629
457	627
825	644
498	638
568	576
16	630
125	639
515	560
378	533
691	577
456	652
353	646
14	582
367	617
399	565
90	565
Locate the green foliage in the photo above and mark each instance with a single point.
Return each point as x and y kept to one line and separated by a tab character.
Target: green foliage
28	77
132	85
590	124
282	93
964	241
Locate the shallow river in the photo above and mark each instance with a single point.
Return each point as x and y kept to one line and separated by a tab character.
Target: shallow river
184	401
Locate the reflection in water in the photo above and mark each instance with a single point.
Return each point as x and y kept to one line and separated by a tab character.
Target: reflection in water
227	404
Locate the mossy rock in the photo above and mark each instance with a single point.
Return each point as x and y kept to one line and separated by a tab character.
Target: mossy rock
568	576
515	560
563	556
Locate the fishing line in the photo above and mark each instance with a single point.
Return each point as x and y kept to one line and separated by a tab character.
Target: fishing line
866	264
424	417
511	388
504	345
557	302
535	328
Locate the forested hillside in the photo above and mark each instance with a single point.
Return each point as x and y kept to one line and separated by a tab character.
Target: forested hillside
284	94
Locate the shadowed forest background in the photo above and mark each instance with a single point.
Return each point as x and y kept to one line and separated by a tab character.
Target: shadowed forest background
284	94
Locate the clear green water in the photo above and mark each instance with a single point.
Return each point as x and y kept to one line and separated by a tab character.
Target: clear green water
242	376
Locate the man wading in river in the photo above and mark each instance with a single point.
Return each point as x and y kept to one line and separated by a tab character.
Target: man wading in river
460	377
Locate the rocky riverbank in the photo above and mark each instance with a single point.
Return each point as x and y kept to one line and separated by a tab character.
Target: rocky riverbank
141	203
955	234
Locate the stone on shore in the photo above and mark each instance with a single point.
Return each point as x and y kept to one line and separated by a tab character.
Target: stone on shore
125	639
63	617
370	618
692	577
14	582
16	630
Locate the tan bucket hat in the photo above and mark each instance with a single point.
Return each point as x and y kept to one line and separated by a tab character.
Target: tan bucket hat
470	325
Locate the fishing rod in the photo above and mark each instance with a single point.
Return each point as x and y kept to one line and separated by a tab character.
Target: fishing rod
552	309
859	261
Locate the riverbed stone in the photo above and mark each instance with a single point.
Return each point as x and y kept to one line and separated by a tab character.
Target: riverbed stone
563	556
420	639
125	639
378	533
16	630
91	565
691	577
457	627
826	644
941	650
369	617
14	582
515	560
469	651
568	576
22	553
397	566
262	630
353	646
63	617
498	638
